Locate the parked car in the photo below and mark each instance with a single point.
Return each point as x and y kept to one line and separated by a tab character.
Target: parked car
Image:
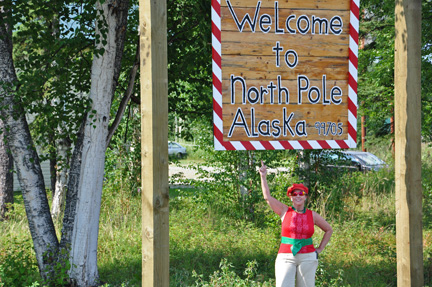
353	160
175	149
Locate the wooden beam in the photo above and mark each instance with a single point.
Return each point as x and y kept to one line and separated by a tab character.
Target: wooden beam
409	243
154	143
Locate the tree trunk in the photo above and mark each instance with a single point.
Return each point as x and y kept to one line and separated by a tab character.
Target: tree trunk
53	172
81	219
85	224
62	169
6	175
24	154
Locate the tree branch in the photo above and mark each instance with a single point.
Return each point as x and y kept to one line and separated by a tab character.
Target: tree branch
135	99
121	8
126	97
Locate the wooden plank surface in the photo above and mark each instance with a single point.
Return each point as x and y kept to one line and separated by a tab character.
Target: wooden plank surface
409	241
154	143
234	43
263	67
318	4
293	97
309	113
229	24
291	85
249	52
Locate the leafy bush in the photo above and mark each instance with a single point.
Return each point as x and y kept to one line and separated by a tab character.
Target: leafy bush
227	277
123	159
59	270
18	265
329	279
229	180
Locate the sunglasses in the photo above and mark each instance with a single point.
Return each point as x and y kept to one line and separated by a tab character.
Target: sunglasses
298	193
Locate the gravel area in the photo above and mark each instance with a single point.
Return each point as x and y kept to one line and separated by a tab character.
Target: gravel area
191	174
187	173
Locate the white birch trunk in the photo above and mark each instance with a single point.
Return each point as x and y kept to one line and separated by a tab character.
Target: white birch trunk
25	157
61	180
6	175
81	222
84	239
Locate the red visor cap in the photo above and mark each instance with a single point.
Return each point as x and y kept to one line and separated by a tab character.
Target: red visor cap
296	186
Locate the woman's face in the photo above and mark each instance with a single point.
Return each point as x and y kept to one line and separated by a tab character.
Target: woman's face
298	197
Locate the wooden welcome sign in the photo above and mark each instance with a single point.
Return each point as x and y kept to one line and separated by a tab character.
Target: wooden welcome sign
285	74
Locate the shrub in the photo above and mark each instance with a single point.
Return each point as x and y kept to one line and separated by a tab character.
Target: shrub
230	180
227	277
18	266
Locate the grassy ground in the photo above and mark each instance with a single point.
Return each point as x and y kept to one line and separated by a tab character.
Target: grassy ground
361	252
211	248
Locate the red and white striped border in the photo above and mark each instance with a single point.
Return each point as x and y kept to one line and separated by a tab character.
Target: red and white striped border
273	145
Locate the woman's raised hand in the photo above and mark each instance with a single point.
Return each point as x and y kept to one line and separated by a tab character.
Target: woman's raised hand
263	169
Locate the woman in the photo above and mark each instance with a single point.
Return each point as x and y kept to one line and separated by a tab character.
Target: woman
297	259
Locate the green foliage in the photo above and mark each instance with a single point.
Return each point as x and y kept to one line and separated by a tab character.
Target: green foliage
227	277
189	64
18	266
230	179
427	188
119	248
219	247
331	279
58	269
202	236
376	66
123	158
53	54
328	186
426	66
355	185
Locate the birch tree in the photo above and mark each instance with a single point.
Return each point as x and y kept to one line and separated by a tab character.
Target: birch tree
6	175
24	154
77	247
85	226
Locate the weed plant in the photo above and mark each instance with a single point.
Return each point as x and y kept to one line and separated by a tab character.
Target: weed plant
18	265
359	206
119	248
214	246
208	247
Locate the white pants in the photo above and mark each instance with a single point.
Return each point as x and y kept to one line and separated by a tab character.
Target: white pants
299	269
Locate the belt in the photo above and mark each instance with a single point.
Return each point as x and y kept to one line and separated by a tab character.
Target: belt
297	244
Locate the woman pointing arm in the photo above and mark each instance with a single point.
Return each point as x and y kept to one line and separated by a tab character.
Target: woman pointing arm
297	259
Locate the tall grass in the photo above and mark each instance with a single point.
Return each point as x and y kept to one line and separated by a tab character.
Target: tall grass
119	249
210	247
362	245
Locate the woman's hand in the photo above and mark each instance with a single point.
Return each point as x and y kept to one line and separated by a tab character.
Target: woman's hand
263	169
275	204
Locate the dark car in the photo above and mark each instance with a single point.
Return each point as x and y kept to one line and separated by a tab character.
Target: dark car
353	160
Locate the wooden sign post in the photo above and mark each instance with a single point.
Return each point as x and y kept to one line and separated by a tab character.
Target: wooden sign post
409	240
154	143
285	74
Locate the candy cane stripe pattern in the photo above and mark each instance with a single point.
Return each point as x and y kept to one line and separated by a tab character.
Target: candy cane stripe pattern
264	18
